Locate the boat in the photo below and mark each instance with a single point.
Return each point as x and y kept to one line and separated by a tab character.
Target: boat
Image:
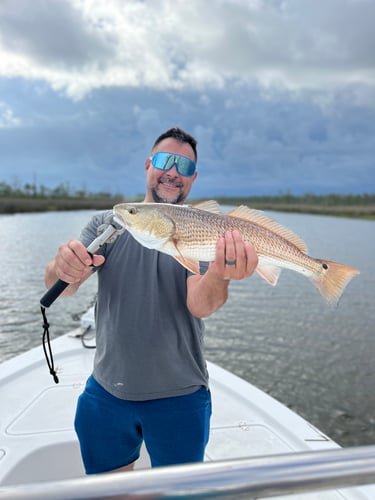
258	447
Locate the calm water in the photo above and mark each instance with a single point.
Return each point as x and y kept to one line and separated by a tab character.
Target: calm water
316	359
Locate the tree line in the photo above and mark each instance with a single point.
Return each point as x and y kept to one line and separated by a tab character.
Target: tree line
65	191
32	198
308	199
61	191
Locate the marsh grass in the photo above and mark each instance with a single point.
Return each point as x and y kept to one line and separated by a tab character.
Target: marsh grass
358	206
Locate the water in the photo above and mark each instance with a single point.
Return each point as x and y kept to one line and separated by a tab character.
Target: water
315	358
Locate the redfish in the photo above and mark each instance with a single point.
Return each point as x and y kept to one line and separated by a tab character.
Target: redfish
189	234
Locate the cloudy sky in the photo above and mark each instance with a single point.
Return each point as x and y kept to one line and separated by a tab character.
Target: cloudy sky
280	94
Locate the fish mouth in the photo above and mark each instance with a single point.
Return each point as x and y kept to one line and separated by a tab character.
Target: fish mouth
120	219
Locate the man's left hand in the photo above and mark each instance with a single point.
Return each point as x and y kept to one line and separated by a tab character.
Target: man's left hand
235	258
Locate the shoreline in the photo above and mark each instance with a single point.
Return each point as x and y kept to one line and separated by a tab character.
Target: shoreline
355	211
27	205
9	206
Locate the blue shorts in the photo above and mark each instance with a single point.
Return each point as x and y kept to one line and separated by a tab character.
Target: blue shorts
111	430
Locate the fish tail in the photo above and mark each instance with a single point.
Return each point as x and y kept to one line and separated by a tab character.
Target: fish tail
333	279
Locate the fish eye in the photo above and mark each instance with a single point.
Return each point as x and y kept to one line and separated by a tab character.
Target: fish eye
132	210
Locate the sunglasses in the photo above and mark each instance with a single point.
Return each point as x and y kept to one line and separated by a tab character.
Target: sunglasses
165	161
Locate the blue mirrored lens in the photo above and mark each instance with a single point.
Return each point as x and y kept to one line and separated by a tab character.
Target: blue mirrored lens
165	161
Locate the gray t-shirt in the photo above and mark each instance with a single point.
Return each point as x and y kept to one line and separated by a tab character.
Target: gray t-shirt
149	346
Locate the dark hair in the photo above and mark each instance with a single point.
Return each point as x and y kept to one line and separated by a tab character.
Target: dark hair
179	135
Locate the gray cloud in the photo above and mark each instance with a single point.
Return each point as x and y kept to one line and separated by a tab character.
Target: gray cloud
81	46
247	144
55	34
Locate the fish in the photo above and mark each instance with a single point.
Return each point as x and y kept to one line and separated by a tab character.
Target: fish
189	233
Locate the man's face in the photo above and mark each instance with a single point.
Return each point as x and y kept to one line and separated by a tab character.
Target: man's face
169	186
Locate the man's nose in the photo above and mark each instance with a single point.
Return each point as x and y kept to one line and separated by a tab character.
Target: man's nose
173	171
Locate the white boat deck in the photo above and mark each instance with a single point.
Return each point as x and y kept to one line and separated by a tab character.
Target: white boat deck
38	442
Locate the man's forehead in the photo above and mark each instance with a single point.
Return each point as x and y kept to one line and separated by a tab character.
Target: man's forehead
171	145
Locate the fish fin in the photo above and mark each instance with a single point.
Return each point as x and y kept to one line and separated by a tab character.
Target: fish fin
333	279
209	206
269	273
189	264
256	217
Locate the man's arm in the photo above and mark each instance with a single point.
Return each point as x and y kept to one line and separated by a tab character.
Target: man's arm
208	292
72	264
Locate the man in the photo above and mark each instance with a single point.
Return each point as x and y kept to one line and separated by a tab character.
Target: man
149	381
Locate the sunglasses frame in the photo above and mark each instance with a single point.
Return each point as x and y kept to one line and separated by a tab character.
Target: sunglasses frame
183	163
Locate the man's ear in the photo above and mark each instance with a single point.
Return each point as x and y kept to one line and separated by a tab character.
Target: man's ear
147	163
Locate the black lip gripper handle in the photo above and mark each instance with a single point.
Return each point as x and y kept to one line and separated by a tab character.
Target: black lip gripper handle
55	291
51	295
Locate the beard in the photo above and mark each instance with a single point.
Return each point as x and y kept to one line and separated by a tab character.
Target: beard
176	199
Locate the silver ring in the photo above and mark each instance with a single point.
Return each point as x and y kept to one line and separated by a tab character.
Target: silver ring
230	262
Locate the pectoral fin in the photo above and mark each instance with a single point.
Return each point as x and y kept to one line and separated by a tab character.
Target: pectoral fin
189	264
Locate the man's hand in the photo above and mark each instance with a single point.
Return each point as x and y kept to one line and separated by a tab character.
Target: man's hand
72	264
235	258
72	261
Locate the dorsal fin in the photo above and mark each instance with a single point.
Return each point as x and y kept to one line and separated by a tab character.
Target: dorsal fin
256	217
209	206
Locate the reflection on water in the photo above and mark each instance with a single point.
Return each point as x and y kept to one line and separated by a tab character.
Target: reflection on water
315	358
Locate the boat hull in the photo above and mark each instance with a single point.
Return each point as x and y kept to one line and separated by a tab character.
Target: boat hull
38	442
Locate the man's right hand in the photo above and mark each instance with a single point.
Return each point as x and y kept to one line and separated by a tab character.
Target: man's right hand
72	264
